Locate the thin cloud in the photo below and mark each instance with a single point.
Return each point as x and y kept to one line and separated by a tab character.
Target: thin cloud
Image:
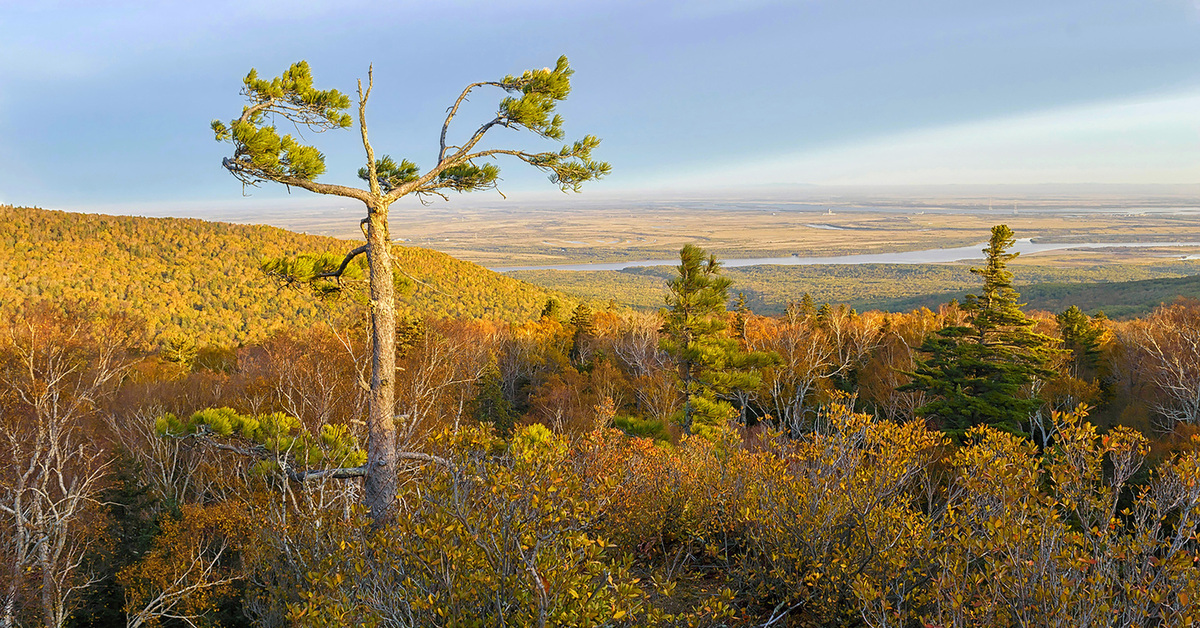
1144	141
718	8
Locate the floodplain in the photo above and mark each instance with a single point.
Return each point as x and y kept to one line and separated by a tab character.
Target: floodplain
583	230
580	229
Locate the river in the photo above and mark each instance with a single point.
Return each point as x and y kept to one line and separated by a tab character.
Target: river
930	256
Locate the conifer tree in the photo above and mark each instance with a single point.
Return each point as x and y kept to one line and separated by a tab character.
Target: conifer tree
741	317
1081	336
979	373
490	405
585	328
261	153
552	309
710	362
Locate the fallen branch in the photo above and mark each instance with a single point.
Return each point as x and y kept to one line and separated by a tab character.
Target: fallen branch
359	472
260	452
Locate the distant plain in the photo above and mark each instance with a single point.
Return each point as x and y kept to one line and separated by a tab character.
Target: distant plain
578	229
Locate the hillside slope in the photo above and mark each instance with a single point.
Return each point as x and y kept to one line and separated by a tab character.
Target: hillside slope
201	279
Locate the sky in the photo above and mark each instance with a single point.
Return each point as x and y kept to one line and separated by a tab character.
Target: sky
107	105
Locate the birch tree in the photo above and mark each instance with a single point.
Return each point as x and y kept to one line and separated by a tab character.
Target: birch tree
808	357
55	367
1167	344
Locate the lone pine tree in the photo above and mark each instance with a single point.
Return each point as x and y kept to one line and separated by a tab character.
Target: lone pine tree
979	373
261	153
711	364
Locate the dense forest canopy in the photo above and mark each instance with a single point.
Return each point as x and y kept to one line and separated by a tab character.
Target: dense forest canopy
549	478
200	280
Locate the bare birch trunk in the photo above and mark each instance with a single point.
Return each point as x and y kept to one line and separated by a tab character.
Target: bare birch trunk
49	617
10	606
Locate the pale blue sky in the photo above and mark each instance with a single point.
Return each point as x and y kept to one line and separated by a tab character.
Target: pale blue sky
107	104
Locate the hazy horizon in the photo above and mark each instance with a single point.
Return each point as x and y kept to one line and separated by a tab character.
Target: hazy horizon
249	207
107	104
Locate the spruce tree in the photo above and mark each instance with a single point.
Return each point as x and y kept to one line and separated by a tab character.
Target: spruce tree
741	317
490	405
585	329
711	364
552	309
979	373
1081	336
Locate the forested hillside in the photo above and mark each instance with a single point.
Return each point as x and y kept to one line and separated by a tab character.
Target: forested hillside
201	279
698	465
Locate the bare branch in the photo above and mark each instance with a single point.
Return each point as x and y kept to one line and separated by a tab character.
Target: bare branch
478	135
360	472
372	171
249	175
423	283
420	457
338	474
257	451
453	111
427	183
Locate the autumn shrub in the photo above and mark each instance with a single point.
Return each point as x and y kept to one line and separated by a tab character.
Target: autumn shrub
837	516
190	569
1061	538
290	547
859	522
885	524
503	534
672	507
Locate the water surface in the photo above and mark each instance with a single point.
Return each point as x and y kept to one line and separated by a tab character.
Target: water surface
929	256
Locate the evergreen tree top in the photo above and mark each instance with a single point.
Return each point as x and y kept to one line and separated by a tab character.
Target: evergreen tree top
979	373
700	293
996	307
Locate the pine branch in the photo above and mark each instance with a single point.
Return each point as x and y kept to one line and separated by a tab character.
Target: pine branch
345	262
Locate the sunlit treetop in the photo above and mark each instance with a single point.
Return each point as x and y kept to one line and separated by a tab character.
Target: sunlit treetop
262	154
540	90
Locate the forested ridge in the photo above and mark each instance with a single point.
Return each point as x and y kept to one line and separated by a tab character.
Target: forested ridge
200	279
1117	299
569	464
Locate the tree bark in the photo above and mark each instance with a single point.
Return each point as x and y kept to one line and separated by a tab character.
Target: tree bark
49	617
10	606
380	486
